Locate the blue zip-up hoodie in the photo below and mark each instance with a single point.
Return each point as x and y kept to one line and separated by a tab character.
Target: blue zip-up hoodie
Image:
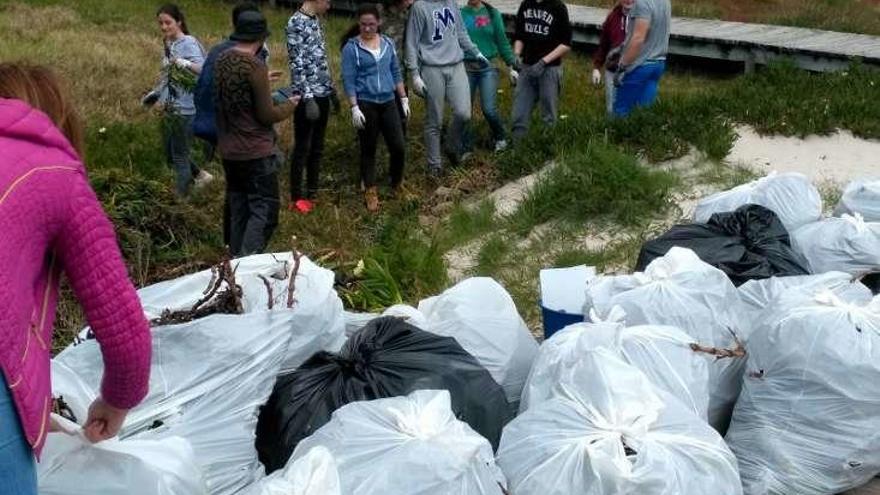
367	77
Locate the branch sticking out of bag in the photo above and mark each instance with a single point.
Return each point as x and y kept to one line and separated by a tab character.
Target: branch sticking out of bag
268	285
737	352
291	287
216	300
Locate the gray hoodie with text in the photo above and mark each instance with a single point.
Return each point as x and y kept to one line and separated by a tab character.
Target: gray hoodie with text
436	35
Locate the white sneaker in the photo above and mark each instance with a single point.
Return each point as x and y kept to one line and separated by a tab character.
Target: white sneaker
203	179
500	146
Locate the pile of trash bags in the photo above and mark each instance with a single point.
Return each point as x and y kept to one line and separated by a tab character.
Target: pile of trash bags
807	419
742	356
680	290
748	243
387	358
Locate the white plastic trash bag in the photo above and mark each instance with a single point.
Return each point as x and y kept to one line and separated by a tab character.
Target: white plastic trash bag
411	445
356	321
609	431
318	313
207	380
72	465
792	196
680	290
758	295
846	244
662	353
808	419
313	474
483	318
862	197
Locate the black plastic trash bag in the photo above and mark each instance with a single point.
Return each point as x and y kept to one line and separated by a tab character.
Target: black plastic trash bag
386	358
749	243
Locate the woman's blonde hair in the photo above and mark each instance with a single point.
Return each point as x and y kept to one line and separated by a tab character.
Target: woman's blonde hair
39	87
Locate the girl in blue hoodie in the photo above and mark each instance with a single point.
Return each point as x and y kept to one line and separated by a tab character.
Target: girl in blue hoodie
371	76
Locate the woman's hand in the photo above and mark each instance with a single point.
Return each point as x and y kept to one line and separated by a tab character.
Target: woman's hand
358	119
104	421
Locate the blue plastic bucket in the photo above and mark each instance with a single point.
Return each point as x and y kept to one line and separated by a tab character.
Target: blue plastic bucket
555	321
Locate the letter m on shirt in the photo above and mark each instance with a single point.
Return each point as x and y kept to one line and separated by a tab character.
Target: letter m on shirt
443	20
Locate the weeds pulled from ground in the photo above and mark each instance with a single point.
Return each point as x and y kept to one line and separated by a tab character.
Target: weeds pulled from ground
157	231
221	296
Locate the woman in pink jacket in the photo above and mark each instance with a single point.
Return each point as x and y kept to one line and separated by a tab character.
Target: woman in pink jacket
51	222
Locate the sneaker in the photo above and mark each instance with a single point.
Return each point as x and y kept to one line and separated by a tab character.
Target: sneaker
371	199
500	146
465	157
303	206
202	179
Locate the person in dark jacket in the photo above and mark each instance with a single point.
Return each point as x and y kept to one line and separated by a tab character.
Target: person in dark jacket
607	54
542	38
371	77
204	124
246	138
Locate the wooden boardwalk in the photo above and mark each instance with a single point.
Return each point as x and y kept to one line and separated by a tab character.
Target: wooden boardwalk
740	42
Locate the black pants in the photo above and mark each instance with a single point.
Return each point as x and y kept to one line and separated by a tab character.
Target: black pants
382	118
253	202
403	118
307	149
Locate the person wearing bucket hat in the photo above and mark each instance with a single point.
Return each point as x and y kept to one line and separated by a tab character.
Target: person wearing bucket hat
246	113
250	26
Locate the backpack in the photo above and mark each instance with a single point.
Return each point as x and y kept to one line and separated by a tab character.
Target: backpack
205	124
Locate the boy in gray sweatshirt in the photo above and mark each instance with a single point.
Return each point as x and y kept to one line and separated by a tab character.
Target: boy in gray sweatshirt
436	42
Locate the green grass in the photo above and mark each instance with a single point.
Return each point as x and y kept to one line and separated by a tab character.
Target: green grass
599	180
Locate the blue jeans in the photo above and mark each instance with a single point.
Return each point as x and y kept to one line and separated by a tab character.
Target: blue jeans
18	475
177	136
638	88
484	82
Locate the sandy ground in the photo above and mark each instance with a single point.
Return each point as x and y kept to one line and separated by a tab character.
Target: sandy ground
839	157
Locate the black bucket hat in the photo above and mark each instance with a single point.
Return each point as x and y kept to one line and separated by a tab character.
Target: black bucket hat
250	26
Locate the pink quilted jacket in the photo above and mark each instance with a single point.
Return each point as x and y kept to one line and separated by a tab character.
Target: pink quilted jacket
51	222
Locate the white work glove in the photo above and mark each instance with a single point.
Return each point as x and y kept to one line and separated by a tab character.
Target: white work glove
404	104
358	119
514	76
419	87
183	63
597	77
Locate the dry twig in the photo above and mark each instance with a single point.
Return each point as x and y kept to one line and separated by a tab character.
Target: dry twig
291	287
737	352
268	285
217	298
